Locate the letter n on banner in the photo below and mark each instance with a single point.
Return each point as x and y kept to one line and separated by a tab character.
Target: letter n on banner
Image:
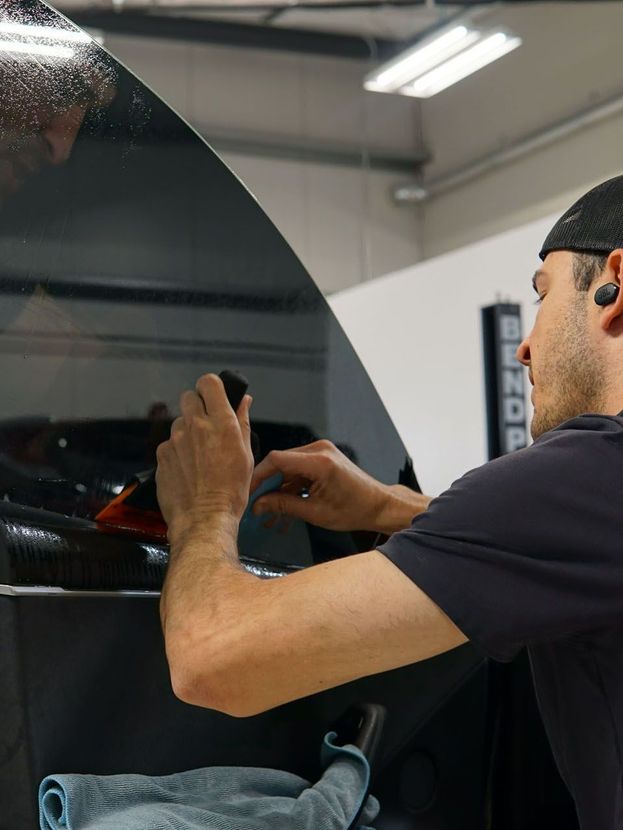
504	379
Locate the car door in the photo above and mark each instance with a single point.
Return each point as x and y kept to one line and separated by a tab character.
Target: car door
132	260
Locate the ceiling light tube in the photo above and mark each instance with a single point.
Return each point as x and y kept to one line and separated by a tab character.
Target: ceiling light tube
419	59
35	49
44	32
494	46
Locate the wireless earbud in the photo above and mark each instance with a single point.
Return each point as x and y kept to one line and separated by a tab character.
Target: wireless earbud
606	294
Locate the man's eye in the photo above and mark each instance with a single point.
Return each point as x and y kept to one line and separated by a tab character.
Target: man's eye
540	299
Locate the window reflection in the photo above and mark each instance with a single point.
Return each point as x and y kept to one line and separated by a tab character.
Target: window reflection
50	76
131	262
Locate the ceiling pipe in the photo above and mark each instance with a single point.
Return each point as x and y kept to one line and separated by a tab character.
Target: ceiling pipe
445	8
102	6
421	192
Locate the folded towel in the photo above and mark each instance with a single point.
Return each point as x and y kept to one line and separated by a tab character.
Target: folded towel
215	798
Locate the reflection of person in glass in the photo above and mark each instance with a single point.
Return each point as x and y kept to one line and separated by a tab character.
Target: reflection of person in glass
42	108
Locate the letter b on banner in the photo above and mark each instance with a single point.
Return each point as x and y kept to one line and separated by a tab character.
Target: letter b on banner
504	379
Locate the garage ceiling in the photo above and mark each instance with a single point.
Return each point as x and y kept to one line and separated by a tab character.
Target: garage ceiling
395	20
347	28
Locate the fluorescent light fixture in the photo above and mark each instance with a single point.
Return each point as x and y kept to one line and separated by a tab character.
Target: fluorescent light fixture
44	33
419	59
437	63
16	46
488	50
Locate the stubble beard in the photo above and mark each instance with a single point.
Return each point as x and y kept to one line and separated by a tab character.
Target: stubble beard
571	378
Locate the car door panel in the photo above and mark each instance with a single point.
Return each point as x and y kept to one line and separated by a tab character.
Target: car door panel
86	689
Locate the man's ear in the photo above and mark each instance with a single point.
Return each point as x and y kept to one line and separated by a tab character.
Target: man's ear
612	314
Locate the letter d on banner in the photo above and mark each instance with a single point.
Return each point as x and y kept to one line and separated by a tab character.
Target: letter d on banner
504	379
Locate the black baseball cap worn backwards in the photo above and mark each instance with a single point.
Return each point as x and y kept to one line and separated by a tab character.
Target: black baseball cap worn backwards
593	224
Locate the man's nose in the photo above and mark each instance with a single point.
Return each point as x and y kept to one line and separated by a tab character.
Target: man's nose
61	132
523	352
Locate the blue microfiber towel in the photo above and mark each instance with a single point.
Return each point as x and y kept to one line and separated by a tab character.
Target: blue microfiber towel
215	798
252	535
250	523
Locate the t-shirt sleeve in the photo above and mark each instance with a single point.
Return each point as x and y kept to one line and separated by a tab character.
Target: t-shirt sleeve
527	548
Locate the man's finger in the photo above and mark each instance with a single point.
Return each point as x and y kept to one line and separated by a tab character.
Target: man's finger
268	467
291	463
177	426
211	390
285	504
244	417
191	404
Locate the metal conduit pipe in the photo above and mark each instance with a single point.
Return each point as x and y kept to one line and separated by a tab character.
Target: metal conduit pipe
410	192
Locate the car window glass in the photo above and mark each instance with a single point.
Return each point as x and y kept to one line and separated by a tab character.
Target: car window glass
132	260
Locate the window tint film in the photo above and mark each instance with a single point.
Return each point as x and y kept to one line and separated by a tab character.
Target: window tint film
132	260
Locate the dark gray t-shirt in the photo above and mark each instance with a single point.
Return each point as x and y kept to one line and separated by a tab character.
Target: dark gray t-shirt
528	551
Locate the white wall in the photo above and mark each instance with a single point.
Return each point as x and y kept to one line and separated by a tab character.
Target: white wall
418	332
569	62
341	221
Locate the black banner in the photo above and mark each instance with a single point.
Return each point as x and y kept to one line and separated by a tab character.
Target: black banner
504	379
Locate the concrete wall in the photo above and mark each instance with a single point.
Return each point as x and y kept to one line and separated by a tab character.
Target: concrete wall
340	220
569	61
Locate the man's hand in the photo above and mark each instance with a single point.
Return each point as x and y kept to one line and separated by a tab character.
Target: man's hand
205	468
338	495
232	639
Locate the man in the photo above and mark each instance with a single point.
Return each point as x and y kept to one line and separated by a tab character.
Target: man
43	106
524	551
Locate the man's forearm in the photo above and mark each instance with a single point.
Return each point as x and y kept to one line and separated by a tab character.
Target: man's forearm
204	567
203	571
399	508
205	598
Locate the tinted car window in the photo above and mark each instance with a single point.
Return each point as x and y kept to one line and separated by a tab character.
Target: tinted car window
132	260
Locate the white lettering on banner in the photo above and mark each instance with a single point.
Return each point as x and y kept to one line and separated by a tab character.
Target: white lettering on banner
515	438
513	404
509	328
509	361
512	381
514	411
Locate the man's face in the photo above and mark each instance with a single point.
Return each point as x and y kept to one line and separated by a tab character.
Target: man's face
42	109
564	367
39	138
